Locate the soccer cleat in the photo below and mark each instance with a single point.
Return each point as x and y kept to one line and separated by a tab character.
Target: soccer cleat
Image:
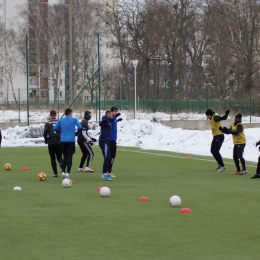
111	175
105	176
217	167
244	172
238	172
87	169
80	170
256	176
55	175
221	168
67	175
63	175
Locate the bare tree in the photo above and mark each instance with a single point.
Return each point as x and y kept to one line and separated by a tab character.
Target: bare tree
240	39
13	59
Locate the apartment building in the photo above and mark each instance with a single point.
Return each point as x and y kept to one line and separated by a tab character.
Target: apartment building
41	84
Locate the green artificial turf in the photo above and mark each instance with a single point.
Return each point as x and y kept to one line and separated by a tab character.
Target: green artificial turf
46	221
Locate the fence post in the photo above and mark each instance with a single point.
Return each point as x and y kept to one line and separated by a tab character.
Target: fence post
19	119
250	107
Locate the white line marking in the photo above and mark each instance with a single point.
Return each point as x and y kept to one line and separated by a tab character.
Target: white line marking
182	157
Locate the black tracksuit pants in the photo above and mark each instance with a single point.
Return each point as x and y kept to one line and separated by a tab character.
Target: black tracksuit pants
68	149
238	152
215	148
112	146
55	153
87	154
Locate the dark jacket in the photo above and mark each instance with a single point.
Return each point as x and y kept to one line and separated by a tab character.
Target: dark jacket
84	132
105	129
50	136
113	136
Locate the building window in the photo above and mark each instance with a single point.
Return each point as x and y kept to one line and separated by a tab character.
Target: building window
60	81
1	44
107	56
86	97
1	81
107	66
1	18
1	69
44	93
1	94
1	6
60	93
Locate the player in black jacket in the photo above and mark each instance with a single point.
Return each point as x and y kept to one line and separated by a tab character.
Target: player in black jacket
53	140
257	174
85	141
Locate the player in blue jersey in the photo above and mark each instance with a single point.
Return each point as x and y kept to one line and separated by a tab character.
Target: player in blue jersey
105	133
66	128
113	138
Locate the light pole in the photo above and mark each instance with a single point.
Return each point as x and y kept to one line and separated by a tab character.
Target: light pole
135	62
165	74
70	51
65	83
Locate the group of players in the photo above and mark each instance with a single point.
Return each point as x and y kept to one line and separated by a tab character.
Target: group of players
60	137
239	140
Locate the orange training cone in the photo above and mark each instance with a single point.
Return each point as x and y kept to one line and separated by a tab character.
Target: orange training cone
143	198
185	210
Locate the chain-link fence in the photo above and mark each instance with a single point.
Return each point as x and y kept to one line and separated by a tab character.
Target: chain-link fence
247	107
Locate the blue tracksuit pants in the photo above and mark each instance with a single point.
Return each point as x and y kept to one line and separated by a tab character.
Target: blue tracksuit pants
106	154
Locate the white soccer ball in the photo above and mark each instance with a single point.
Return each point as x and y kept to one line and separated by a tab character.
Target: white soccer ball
104	191
66	183
175	201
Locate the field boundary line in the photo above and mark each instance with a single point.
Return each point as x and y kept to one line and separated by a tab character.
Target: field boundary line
176	156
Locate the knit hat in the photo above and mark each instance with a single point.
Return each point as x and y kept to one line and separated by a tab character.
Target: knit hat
113	109
239	116
209	112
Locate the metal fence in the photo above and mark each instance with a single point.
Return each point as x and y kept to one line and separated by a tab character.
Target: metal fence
247	107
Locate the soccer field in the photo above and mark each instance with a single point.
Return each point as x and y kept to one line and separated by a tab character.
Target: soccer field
47	221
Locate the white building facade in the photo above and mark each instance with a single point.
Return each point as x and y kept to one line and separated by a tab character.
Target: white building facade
14	87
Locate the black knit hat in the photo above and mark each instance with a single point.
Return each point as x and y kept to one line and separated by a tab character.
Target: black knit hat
209	112
239	116
113	109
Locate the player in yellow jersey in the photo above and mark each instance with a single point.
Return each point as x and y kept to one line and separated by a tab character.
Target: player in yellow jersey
218	137
239	140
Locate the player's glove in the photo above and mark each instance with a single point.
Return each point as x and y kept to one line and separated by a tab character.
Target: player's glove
257	143
225	130
119	119
227	112
93	139
90	143
117	115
